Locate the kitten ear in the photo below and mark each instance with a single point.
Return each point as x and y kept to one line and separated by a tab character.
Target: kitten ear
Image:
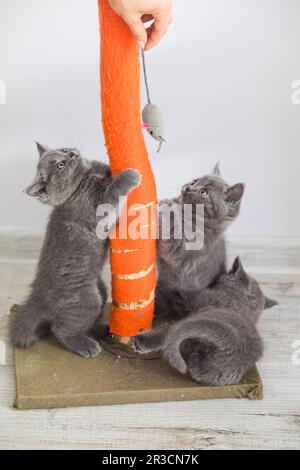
239	271
269	303
237	265
36	188
41	148
235	193
216	171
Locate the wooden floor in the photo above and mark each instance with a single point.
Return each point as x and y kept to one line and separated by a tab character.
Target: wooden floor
273	423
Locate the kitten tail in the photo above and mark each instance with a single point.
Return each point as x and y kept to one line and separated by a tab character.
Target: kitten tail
173	341
179	350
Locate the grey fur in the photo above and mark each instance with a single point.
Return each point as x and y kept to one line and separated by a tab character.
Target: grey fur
182	273
219	341
68	294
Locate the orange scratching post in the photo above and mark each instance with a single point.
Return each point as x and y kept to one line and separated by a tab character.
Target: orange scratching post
132	257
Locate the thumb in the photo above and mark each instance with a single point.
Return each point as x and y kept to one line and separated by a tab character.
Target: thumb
138	30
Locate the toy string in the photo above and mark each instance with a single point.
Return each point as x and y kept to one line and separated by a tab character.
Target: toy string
146	77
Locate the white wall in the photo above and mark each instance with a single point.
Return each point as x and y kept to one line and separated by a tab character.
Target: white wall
223	76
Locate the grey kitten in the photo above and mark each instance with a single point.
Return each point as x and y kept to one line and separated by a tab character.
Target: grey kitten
183	273
68	294
219	342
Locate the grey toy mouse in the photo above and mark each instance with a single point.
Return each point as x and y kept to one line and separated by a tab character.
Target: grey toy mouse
152	116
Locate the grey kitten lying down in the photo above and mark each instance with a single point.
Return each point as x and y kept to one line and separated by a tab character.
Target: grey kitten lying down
68	294
183	273
219	342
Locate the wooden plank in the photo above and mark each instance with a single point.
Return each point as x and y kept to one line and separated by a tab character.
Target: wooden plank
190	425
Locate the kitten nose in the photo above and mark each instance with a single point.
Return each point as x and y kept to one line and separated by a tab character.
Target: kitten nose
74	153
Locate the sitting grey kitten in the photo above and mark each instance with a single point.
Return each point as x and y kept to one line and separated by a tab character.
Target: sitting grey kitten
219	342
68	294
183	273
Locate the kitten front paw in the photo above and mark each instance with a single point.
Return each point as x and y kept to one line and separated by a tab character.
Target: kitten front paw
132	178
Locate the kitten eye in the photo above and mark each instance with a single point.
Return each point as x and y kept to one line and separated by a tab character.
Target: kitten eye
60	165
64	151
204	192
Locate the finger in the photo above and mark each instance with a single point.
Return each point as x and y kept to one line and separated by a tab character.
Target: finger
156	31
138	29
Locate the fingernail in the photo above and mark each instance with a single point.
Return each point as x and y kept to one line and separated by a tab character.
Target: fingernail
141	44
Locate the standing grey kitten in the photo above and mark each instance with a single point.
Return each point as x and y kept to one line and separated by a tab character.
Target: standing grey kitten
68	293
219	342
183	273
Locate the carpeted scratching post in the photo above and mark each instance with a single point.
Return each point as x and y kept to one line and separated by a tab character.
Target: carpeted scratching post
132	260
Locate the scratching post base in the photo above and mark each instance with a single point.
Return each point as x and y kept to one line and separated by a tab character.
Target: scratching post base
48	376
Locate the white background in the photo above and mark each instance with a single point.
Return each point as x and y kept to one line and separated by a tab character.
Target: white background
223	76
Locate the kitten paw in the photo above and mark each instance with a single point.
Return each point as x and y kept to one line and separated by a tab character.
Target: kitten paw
90	349
24	340
138	346
25	335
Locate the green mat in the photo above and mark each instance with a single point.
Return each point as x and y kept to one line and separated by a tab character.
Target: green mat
47	376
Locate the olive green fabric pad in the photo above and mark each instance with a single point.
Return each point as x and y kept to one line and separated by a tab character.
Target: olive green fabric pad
47	376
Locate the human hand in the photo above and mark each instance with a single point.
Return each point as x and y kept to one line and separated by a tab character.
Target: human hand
137	12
